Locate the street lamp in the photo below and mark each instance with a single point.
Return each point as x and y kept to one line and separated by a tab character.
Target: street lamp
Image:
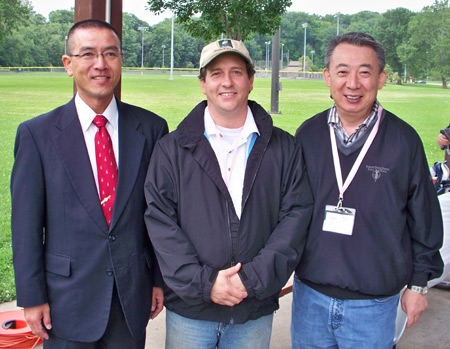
163	47
312	56
267	55
171	47
304	25
65	45
142	29
281	66
337	26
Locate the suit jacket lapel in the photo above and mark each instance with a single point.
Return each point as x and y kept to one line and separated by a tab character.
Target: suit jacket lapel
71	147
131	147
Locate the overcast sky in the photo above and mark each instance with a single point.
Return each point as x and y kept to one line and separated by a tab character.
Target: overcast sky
321	7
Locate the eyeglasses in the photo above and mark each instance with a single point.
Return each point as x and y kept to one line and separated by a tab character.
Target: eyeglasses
88	56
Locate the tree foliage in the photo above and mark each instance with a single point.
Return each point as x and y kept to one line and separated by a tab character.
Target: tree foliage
61	16
419	40
392	31
236	19
428	49
13	14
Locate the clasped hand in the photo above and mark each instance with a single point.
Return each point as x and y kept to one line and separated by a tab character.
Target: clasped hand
228	288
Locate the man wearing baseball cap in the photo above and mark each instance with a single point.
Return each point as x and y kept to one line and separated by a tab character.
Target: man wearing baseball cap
228	208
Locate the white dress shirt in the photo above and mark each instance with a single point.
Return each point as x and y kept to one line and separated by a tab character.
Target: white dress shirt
86	116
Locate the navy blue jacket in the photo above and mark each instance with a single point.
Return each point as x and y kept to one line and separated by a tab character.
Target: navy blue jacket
195	230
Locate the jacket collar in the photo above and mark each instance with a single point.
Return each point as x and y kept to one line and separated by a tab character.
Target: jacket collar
191	136
192	128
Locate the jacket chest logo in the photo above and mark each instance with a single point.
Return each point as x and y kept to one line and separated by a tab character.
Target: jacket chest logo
377	171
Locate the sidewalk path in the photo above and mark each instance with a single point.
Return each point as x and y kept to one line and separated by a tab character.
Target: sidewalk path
432	331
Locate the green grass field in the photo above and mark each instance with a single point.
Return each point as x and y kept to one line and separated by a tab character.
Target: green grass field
25	95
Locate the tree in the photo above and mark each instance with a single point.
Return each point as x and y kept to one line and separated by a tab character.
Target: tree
319	32
61	16
392	31
132	40
39	44
428	49
13	14
363	21
186	49
237	19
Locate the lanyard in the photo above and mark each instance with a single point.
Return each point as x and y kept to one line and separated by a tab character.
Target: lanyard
337	165
226	175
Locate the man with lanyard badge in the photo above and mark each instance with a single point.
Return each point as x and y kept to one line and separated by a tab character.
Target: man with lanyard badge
376	225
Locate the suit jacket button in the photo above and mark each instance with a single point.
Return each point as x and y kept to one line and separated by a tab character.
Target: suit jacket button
112	238
109	273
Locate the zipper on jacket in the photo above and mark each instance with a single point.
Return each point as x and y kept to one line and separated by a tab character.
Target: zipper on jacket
254	176
233	257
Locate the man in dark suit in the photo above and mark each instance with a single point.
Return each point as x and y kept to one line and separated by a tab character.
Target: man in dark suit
85	269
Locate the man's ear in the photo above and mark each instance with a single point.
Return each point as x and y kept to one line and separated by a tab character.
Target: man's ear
327	77
67	61
382	79
202	84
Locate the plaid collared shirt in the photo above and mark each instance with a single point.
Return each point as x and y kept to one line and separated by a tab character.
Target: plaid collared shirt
333	119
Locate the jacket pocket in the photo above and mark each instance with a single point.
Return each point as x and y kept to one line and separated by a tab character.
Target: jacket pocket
57	264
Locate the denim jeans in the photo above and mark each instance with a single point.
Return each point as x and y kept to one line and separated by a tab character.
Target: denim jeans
319	321
185	333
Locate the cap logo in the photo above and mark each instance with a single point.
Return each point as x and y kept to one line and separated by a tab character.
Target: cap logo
225	44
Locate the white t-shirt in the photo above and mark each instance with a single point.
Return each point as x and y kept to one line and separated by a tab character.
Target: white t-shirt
232	147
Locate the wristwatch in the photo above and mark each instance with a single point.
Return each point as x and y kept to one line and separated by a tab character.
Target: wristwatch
419	289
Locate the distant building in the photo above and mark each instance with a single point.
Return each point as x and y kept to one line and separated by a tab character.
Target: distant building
293	66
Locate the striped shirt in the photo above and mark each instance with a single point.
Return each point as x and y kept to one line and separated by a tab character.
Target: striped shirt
333	119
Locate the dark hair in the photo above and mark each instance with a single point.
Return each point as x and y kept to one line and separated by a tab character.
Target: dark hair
357	39
92	23
250	71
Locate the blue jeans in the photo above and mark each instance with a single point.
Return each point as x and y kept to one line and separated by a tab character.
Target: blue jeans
319	321
185	333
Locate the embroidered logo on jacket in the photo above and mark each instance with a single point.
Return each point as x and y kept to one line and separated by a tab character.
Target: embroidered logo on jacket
377	171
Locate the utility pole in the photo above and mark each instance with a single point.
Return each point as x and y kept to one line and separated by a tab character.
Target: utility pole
337	25
171	48
276	87
304	25
142	29
163	47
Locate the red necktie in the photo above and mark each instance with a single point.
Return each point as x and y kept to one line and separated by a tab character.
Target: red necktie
106	167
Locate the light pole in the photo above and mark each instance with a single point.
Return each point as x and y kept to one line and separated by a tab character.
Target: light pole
337	25
142	29
171	47
304	25
65	45
267	55
281	65
163	47
312	57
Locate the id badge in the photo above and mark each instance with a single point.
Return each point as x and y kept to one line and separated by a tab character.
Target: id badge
339	220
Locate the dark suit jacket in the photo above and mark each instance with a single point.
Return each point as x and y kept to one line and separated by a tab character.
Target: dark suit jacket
63	251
